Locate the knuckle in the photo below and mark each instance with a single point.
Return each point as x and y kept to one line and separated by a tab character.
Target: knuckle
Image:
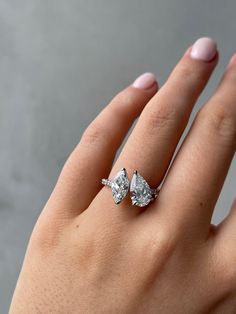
128	99
166	244
219	120
161	246
159	117
94	133
189	75
47	235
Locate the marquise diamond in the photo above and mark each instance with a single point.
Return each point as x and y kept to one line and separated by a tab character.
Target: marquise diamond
120	186
141	193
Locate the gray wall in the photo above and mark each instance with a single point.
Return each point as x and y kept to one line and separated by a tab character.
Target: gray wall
60	63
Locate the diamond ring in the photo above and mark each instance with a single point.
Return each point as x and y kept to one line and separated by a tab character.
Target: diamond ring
141	193
119	185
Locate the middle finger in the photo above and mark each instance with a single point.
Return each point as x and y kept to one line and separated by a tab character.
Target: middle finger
152	143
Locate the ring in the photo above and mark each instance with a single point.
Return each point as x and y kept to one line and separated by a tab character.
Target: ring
119	185
141	193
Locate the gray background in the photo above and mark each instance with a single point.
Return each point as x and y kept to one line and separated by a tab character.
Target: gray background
60	63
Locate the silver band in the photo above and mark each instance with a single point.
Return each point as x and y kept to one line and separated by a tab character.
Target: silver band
155	192
107	182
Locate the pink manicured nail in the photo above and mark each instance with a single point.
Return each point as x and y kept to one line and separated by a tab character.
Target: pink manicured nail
204	49
145	81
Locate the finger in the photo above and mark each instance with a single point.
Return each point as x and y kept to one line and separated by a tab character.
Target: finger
224	238
150	147
92	159
226	229
198	173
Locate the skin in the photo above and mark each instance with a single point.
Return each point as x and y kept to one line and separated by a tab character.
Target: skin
88	255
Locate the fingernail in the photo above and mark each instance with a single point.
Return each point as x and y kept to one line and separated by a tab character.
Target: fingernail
232	61
204	49
145	81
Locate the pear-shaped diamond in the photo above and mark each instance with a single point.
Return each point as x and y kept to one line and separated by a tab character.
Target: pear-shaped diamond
141	193
120	186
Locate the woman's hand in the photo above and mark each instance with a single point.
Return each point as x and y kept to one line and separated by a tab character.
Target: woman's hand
88	255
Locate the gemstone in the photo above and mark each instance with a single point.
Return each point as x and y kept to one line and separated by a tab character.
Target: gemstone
120	186
141	193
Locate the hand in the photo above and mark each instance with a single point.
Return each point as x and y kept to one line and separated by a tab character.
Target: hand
88	255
